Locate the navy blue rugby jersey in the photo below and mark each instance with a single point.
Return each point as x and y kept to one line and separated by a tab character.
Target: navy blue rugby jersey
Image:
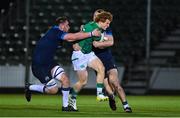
47	45
108	31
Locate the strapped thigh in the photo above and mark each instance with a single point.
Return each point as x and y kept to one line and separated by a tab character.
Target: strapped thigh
57	72
51	84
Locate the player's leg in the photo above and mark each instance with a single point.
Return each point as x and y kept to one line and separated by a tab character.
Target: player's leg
108	87
59	74
110	92
96	64
82	81
113	79
80	64
40	73
48	88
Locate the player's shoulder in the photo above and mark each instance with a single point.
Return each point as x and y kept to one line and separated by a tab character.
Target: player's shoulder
89	24
56	28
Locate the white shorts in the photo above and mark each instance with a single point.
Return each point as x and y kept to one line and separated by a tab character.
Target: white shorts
80	60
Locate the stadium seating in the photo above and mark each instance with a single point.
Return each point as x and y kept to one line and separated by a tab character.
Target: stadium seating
129	24
129	28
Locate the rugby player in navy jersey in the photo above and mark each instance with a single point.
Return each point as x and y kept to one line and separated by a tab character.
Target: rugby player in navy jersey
111	81
44	66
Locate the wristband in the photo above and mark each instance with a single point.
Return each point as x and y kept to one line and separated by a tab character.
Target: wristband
91	34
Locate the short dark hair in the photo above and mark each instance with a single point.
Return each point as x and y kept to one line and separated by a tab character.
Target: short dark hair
61	19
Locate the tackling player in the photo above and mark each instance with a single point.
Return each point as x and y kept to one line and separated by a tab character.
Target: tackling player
44	66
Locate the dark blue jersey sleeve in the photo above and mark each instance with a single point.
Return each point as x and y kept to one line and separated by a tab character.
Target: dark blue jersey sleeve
61	34
108	31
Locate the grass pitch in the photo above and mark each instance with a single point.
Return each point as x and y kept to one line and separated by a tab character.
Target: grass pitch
50	106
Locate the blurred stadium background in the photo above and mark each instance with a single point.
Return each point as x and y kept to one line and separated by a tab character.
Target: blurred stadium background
146	48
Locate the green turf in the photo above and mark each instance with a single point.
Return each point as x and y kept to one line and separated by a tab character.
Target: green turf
50	105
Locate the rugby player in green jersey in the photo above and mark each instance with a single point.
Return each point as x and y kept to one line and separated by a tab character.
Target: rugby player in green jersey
84	57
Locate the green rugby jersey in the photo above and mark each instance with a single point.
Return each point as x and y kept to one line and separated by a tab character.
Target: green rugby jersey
86	44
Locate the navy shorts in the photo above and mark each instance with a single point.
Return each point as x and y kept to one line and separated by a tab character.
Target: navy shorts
107	60
43	72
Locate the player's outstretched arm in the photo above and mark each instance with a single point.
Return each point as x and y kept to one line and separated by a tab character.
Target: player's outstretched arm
81	35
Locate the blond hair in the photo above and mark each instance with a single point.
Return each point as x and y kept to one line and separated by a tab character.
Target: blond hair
98	11
103	16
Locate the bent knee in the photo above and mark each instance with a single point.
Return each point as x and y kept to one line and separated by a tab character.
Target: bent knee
65	80
83	82
53	90
118	87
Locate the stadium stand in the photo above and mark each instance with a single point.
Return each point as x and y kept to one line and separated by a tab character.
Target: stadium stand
129	30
